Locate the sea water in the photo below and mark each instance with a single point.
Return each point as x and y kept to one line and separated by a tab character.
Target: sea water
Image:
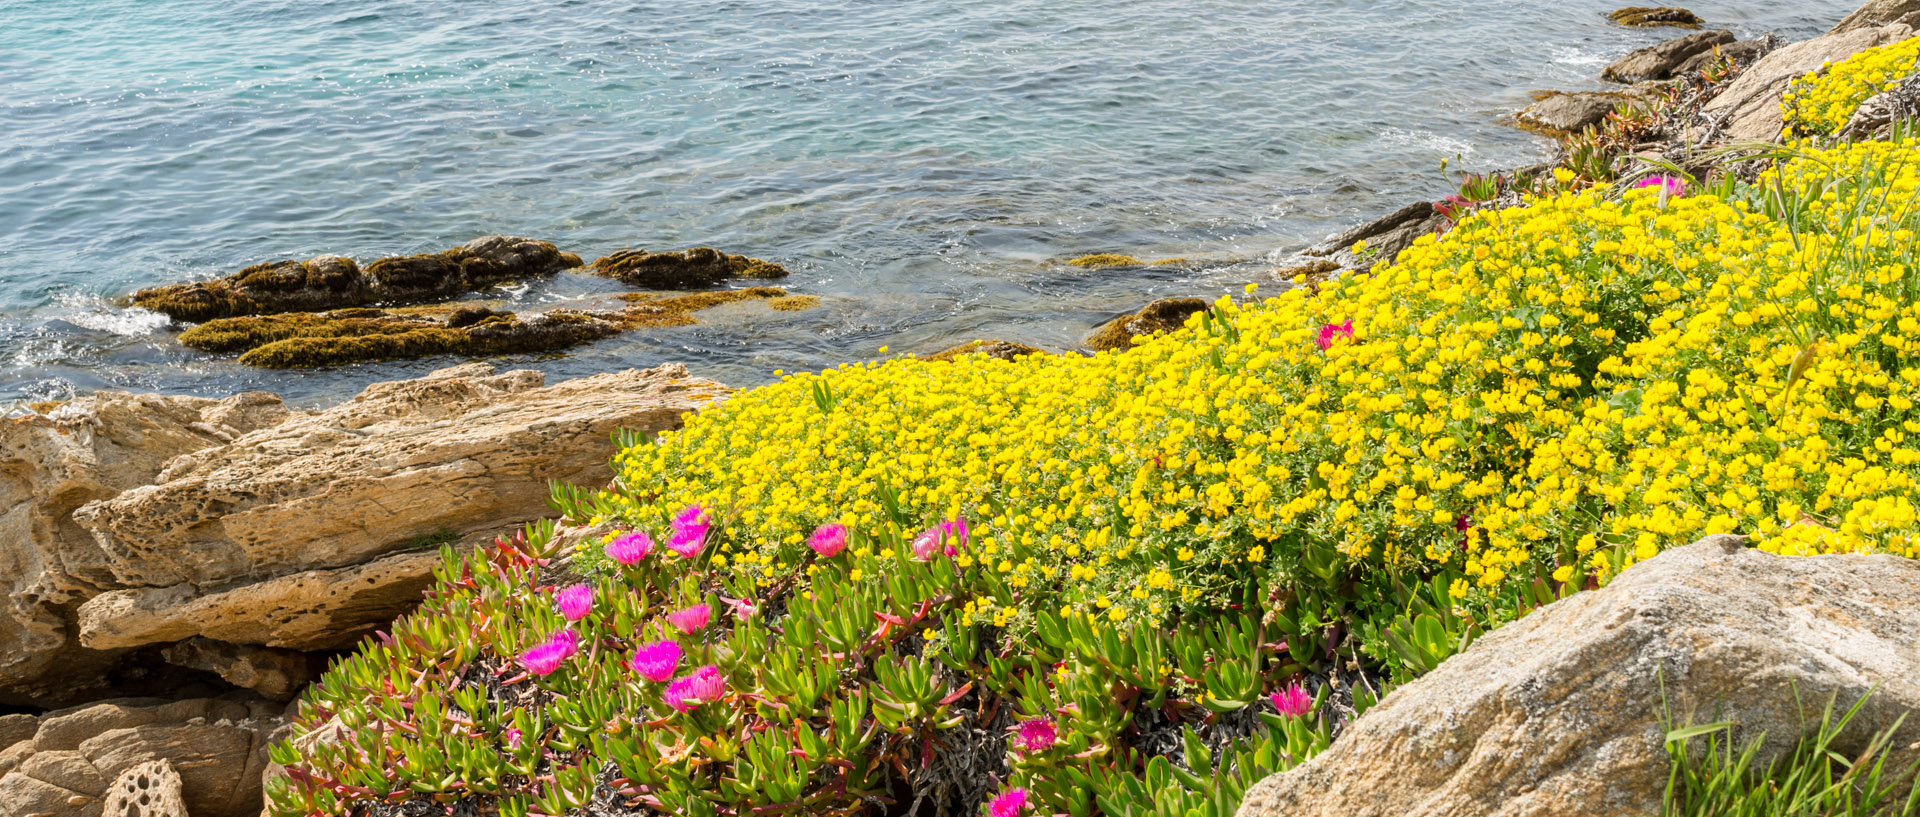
924	166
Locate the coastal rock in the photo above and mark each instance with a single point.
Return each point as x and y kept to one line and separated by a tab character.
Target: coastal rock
1562	113
88	449
1385	238
997	349
1749	108
332	282
1642	17
1164	315
696	268
214	751
1661	60
662	309
1877	115
1741	54
295	340
278	675
271	539
1879	13
1561	712
151	789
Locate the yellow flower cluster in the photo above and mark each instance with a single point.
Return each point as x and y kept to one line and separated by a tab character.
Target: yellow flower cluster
1820	103
1546	394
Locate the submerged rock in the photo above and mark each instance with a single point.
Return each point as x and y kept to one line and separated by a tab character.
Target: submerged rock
1561	712
1642	17
304	340
332	282
695	268
1164	315
1749	107
1662	60
1101	260
997	349
660	309
1563	113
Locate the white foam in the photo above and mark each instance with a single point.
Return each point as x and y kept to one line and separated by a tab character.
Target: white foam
92	313
1427	140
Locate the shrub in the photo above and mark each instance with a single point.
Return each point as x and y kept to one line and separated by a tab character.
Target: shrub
1820	103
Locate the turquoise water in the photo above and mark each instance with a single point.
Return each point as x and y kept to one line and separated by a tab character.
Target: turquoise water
923	165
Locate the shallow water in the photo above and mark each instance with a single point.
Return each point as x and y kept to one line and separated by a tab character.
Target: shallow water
923	165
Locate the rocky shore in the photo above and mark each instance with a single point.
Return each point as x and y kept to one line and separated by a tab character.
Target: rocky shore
179	568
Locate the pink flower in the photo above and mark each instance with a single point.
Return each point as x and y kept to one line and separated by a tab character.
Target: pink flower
691	620
1332	331
828	540
547	656
742	608
1009	804
1293	700
513	738
1463	523
703	686
1671	185
576	601
630	548
1037	735
947	537
689	531
657	661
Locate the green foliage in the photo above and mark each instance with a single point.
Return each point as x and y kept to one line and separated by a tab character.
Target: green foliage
1713	777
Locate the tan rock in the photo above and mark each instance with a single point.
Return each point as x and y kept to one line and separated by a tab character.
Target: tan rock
1560	713
1749	108
16	728
309	610
24	796
68	770
219	773
87	449
1570	113
276	674
150	789
1879	13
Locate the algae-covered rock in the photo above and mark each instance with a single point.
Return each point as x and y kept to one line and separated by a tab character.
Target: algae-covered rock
303	340
1164	315
1642	17
660	309
1662	60
687	269
997	349
332	282
1101	260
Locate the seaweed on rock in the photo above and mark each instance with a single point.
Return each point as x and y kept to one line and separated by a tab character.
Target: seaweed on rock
301	340
687	269
1164	315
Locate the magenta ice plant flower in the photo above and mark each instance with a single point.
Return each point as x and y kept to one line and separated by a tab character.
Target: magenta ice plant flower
689	531
657	661
1671	185
742	608
828	540
947	537
704	685
630	548
1008	804
691	620
1293	700
575	601
547	656
1037	735
513	737
1332	331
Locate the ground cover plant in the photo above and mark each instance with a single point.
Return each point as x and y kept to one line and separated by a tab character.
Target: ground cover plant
1133	583
1821	102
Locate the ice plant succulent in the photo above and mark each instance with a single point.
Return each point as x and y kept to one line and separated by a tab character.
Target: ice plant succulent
1292	700
689	531
630	548
828	540
1671	185
657	661
705	685
575	601
548	655
1037	735
691	619
1009	804
1331	332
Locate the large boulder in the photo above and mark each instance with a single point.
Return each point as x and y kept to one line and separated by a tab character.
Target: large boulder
1161	316
136	523
214	753
1564	113
50	464
1659	61
1749	107
1561	712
